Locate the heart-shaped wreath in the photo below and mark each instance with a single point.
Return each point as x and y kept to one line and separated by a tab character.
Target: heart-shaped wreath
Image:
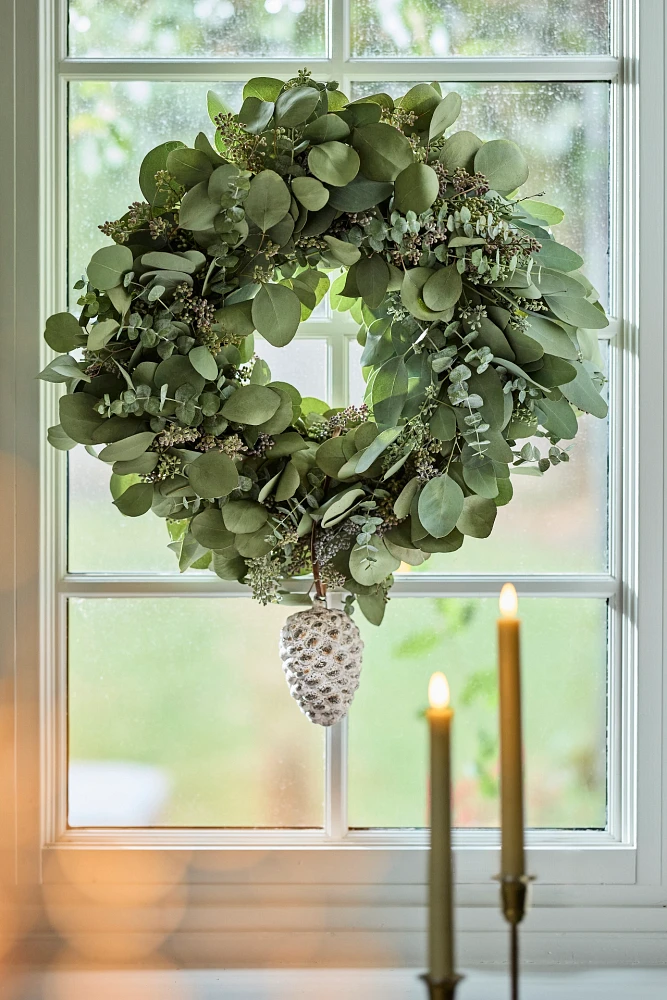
478	333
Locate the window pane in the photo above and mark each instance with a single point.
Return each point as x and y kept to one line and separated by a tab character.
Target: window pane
563	128
226	29
304	364
564	686
180	715
438	28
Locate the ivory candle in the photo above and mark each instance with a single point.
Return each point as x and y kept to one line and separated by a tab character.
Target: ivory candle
441	909
511	766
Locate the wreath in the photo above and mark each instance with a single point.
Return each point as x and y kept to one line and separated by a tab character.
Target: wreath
478	331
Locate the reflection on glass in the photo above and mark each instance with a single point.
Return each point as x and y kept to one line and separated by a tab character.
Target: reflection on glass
563	128
439	28
564	688
304	364
179	715
221	29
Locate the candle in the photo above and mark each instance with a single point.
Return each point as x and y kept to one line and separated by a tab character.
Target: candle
441	918
511	776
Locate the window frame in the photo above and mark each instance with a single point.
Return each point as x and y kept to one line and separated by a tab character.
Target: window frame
573	867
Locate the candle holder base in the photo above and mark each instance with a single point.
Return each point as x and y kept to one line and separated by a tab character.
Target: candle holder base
514	890
442	989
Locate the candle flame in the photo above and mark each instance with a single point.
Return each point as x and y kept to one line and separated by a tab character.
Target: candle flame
508	602
438	691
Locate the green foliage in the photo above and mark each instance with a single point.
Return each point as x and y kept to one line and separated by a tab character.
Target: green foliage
477	326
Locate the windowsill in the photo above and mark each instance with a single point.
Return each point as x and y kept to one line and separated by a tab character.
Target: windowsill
358	984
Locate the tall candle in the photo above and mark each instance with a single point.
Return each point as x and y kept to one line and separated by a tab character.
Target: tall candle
511	768
441	912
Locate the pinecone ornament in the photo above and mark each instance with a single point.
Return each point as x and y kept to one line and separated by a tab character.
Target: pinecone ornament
321	653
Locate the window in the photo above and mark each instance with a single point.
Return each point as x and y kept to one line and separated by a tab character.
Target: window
178	714
160	727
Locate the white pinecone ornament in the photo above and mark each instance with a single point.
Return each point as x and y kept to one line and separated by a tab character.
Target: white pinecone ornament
321	652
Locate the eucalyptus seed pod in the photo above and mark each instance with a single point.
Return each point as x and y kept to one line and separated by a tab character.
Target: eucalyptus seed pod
321	651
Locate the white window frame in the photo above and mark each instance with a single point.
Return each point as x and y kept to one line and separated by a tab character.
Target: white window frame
383	870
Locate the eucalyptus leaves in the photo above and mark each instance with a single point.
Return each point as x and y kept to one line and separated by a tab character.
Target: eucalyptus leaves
478	332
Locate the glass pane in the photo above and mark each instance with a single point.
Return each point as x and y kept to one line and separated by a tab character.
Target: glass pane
438	28
179	715
221	29
564	687
304	364
100	539
563	128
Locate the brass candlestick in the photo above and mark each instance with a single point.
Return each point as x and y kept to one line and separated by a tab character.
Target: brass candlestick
514	889
444	989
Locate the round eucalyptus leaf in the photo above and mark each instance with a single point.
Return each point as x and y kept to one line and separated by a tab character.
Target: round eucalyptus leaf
197	211
440	505
334	163
255	114
288	483
296	105
416	188
108	265
326	128
160	261
283	416
342	251
443	289
78	418
57	438
63	333
189	166
129	448
442	423
577	311
268	199
444	115
244	516
359	195
372	277
256	544
141	466
503	164
265	88
226	568
213	475
403	501
175	372
276	314
477	517
251	404
330	457
153	161
557	256
203	362
310	192
383	151
371	568
459	151
136	500
411	293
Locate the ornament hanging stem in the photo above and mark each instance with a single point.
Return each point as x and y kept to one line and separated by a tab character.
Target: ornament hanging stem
320	587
